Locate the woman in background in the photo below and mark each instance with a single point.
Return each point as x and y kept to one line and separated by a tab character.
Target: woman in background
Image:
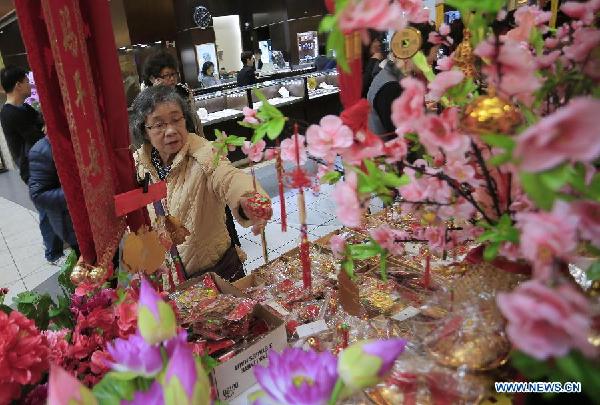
206	77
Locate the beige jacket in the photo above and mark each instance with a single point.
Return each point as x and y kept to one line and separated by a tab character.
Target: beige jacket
196	194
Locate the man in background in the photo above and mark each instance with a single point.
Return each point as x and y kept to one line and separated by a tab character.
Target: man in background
23	126
247	75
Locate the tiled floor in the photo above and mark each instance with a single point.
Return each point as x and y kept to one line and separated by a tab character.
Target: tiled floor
22	263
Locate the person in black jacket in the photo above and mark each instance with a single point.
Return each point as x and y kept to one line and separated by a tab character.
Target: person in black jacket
47	193
23	126
247	75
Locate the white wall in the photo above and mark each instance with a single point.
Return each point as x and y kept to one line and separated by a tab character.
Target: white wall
430	4
229	40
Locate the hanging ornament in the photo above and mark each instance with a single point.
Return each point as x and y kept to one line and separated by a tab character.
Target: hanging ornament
464	57
79	273
279	168
97	275
491	114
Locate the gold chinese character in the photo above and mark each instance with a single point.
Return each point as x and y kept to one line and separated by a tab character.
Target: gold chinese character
69	37
79	91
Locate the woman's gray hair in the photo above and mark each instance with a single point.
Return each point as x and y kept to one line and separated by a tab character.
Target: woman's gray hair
145	103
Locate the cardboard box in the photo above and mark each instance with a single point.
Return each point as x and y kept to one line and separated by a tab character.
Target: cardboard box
251	280
233	377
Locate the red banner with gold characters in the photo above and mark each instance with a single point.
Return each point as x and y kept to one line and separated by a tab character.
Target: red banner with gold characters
86	119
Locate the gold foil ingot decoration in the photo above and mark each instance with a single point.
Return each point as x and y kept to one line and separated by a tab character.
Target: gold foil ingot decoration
79	273
491	114
311	83
464	57
97	275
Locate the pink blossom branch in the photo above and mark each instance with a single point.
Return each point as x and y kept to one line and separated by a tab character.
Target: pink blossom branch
491	184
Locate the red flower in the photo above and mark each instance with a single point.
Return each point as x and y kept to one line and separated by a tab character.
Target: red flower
23	355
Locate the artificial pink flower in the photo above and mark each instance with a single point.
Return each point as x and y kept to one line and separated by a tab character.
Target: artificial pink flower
436	238
501	15
581	11
328	138
254	151
569	134
461	209
545	61
441	36
409	108
415	10
380	15
270	153
288	149
442	82
58	347
517	66
527	18
250	115
435	133
445	63
584	41
338	245
588	213
389	239
396	149
462	172
545	322
367	146
551	42
348	209
546	236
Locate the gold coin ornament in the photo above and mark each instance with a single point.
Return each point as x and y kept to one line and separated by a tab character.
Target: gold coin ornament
406	43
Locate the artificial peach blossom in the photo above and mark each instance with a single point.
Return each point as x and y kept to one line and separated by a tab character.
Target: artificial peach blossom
380	15
584	41
442	82
527	18
445	63
396	149
348	208
389	239
338	245
584	11
288	149
588	213
410	106
570	134
328	138
254	151
547	236
250	115
547	322
415	10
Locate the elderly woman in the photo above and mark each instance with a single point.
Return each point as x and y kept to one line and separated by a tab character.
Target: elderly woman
197	189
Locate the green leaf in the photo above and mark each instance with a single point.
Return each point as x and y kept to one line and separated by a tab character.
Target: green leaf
348	266
531	368
260	132
536	40
27	297
593	272
556	178
462	93
420	61
491	6
395	181
235	140
111	390
337	42
491	251
275	127
364	251
500	159
500	141
327	23
331	177
6	309
208	363
541	195
64	276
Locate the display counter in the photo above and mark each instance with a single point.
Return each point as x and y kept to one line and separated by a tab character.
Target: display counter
305	98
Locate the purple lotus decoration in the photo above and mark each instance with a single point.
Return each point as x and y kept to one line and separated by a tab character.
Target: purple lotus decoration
296	377
136	356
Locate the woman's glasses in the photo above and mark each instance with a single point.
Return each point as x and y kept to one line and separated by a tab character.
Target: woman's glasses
161	127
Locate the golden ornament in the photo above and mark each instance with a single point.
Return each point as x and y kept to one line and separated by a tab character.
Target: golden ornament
491	115
311	83
406	43
143	251
79	274
464	57
97	275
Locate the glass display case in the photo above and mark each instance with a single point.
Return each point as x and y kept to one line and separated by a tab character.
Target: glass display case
281	92
220	106
321	84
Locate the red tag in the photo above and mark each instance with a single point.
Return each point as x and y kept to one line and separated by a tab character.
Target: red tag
136	199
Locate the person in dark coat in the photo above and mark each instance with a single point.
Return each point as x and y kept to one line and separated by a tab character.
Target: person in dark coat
247	75
23	126
47	193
